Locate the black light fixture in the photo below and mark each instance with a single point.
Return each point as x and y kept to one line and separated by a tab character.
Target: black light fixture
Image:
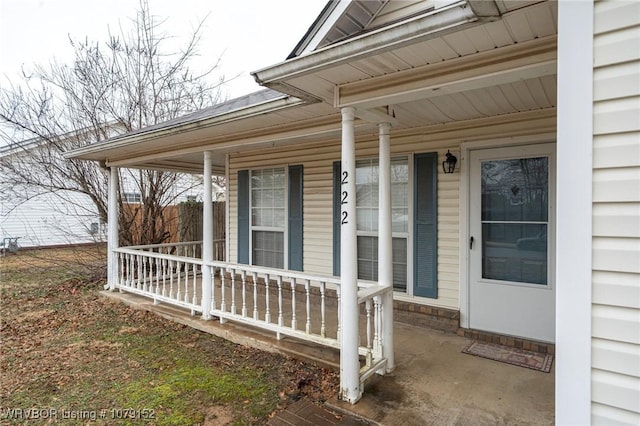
449	164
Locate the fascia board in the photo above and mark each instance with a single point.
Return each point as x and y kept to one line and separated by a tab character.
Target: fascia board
415	29
327	19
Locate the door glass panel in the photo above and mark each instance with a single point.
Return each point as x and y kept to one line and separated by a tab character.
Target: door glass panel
514	252
515	205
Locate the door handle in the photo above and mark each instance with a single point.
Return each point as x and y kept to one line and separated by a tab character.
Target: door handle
471	243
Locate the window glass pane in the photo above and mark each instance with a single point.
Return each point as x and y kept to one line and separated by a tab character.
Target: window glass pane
368	258
368	261
400	264
268	249
514	252
515	190
278	218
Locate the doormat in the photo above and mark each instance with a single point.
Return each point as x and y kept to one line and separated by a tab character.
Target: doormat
514	356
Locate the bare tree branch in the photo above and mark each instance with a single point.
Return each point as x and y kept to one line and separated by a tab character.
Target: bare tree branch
129	81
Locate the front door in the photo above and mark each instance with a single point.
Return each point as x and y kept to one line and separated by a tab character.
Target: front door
511	288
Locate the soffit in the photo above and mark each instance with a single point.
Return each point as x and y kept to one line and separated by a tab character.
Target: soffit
521	25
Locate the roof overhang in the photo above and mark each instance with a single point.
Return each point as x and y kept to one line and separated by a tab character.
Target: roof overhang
434	23
465	61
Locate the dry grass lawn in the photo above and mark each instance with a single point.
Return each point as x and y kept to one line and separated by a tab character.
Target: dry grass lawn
67	352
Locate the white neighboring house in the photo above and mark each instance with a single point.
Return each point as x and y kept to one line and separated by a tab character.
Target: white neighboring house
41	219
45	219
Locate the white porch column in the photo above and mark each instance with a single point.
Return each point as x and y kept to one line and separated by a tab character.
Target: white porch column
385	251
112	231
574	231
349	337
207	237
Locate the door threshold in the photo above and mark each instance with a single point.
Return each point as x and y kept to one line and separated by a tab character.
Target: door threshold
510	341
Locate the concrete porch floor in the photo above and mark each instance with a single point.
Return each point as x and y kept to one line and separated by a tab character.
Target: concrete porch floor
433	383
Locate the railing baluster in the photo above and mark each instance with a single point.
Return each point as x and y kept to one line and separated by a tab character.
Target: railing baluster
244	297
223	302
307	289
171	279
280	317
131	270
233	291
267	314
322	309
368	310
194	299
255	295
179	270
138	283
157	276
164	277
377	327
145	274
213	291
186	282
121	270
294	321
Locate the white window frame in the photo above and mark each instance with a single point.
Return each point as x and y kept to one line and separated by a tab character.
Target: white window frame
394	234
285	229
132	195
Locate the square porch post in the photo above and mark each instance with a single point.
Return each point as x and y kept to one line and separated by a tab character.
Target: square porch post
207	237
350	389
112	230
385	242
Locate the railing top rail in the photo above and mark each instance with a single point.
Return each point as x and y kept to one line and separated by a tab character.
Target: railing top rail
285	273
155	255
147	246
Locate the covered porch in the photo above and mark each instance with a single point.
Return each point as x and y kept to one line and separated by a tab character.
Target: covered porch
433	382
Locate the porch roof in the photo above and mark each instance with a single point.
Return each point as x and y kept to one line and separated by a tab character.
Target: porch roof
464	61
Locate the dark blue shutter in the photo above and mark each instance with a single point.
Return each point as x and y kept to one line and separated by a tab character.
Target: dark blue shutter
295	217
243	216
336	217
425	225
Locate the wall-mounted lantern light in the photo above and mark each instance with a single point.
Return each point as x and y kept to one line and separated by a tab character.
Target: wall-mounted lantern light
449	164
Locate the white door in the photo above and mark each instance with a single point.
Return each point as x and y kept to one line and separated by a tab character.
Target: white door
511	271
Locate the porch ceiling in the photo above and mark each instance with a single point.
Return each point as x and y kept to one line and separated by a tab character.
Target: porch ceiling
488	67
482	68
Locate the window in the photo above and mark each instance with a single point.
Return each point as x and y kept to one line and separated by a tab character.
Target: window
268	217
367	218
420	222
132	197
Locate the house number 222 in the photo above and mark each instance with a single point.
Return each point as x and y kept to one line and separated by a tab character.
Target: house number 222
345	198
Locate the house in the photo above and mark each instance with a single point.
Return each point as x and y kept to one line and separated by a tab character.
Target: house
480	158
39	217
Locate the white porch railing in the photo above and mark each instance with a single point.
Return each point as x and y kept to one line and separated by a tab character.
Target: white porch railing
290	303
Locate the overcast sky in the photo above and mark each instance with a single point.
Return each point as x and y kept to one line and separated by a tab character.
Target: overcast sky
249	34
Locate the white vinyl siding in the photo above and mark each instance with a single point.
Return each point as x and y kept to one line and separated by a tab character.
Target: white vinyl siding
616	214
318	189
50	220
